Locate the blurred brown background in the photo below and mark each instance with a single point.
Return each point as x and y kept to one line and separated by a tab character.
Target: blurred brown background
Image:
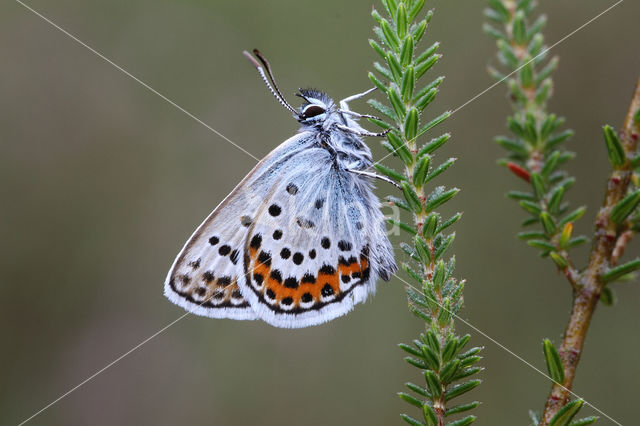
102	181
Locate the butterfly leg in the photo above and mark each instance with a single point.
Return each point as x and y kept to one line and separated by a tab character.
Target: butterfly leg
345	101
361	132
357	114
374	175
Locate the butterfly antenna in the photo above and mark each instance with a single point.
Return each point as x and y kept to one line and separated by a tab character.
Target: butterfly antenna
271	82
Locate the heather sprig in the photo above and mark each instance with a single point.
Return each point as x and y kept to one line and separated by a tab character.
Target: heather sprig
535	154
447	366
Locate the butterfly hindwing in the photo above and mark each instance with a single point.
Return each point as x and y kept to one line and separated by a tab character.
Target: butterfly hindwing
206	275
317	245
298	242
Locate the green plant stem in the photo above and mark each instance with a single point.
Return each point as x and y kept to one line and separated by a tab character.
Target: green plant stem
428	268
439	403
609	238
437	297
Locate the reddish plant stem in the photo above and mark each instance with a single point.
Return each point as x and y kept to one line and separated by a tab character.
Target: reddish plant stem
608	236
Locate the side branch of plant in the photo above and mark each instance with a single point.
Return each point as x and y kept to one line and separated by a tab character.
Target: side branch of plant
535	155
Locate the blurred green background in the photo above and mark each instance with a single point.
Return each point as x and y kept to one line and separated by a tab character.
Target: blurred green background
102	181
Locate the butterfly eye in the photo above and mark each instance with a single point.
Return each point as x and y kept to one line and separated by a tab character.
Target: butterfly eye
312	111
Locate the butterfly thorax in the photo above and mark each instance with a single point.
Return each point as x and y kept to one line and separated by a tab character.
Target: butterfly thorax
320	116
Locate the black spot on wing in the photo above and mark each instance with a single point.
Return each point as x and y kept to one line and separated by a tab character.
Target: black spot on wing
298	258
292	189
305	223
291	282
285	253
277	276
256	241
308	278
234	257
344	245
365	274
258	278
347	262
327	290
328	269
325	243
274	210
264	258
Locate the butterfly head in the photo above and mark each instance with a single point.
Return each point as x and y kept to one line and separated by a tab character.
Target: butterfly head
317	107
318	111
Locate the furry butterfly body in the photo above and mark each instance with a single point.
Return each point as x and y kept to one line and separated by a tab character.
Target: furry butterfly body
301	239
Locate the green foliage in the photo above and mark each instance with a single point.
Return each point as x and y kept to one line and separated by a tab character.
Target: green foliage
615	150
621	211
554	364
534	150
535	154
435	296
620	271
444	364
564	416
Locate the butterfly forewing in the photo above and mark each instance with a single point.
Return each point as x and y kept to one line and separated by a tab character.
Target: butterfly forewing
206	275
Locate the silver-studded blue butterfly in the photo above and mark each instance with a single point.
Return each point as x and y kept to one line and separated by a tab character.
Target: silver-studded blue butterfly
301	239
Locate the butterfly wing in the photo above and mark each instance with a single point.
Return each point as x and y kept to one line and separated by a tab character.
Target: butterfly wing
207	273
317	246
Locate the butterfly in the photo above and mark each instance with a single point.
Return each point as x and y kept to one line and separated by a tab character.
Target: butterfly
301	239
